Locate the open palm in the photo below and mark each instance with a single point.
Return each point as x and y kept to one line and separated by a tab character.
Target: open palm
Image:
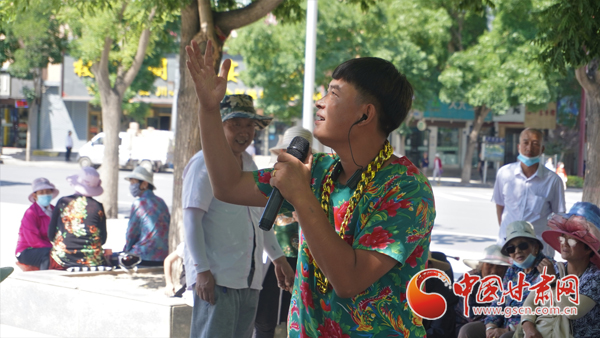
210	88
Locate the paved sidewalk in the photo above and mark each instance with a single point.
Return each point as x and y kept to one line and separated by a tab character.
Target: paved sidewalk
7	331
38	158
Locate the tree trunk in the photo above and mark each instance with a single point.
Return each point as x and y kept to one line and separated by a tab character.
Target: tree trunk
591	185
480	115
109	172
34	108
588	77
187	135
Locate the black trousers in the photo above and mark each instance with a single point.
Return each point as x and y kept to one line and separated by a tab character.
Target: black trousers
39	257
68	155
268	303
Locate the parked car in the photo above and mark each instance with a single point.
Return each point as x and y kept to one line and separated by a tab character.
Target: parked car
154	147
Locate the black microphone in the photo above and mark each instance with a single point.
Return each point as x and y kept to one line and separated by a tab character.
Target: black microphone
298	148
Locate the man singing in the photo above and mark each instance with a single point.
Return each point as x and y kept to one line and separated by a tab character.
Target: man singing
366	215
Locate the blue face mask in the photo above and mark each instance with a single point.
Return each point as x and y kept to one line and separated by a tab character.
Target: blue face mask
44	200
527	263
528	161
134	189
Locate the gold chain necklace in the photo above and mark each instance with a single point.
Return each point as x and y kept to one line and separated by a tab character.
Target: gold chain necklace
384	154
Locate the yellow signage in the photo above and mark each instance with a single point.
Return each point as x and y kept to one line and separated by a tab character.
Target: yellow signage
160	71
82	69
232	75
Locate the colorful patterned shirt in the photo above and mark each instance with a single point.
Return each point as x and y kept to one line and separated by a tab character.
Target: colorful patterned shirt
512	275
286	231
394	217
589	285
77	231
148	229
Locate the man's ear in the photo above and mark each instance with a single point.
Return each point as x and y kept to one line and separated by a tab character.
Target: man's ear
368	114
543	148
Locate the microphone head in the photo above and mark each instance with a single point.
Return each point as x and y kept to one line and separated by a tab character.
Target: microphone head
299	148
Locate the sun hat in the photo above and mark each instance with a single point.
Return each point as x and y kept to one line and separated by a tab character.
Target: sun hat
241	105
141	174
42	183
87	182
492	256
519	229
289	135
581	222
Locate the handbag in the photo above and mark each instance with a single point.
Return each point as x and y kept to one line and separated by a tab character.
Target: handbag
549	326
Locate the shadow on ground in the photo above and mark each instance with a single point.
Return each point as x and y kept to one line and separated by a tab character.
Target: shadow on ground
10	183
457	239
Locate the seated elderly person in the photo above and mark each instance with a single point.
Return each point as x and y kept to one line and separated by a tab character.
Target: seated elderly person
525	250
77	229
33	246
576	235
148	230
493	263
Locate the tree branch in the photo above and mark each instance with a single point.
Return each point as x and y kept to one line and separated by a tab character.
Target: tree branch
585	82
100	69
230	20
123	83
207	25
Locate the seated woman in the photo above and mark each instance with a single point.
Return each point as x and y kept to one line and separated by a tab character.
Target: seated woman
33	246
148	230
78	226
526	252
576	236
494	263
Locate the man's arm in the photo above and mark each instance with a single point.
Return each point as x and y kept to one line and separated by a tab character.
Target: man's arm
230	184
194	240
350	271
499	211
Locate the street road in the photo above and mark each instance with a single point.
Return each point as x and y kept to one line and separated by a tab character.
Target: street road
465	224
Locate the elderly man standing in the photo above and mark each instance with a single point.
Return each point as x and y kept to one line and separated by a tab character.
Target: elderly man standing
528	191
224	242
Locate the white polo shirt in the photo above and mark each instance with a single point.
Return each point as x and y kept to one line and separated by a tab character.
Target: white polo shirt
530	199
230	231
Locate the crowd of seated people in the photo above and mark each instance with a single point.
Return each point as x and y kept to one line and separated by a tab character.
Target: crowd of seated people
71	234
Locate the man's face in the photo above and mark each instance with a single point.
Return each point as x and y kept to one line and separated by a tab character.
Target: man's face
336	113
239	133
530	144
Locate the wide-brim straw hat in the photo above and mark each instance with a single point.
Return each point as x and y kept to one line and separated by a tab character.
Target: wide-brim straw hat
87	182
141	174
42	183
492	256
581	222
519	229
289	135
242	106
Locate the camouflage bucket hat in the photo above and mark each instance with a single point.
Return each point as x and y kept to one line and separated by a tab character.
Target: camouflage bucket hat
242	106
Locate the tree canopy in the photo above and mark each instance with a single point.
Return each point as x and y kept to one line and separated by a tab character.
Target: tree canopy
274	52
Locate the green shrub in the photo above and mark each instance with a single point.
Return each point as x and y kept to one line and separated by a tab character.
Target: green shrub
574	182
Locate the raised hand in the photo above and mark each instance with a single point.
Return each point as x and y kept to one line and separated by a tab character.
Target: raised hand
210	88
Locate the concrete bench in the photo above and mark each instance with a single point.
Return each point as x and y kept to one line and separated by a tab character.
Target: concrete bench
93	304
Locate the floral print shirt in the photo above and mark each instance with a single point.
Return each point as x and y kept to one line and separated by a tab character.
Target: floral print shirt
512	275
287	234
77	231
148	229
394	217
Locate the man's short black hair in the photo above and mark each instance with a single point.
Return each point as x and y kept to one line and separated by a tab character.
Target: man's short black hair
380	83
